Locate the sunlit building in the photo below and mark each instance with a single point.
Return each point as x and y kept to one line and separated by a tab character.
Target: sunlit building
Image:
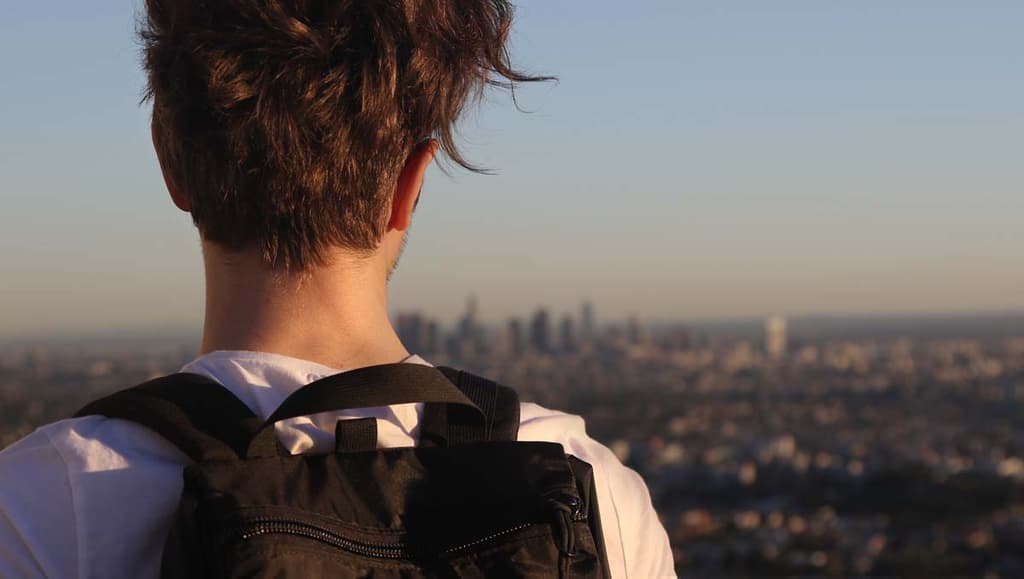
775	339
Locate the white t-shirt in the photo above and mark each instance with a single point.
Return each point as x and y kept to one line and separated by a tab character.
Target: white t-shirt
95	497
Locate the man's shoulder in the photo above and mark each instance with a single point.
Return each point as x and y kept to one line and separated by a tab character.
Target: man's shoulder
93	443
533	416
81	494
84	458
540	424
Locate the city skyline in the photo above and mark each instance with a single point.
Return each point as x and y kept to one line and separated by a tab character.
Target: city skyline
836	324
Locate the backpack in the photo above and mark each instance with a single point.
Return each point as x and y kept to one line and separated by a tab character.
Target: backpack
468	501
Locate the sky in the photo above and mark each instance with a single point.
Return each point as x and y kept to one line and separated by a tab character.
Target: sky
695	160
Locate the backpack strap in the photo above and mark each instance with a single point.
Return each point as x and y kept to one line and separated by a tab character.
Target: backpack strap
367	387
355	435
445	424
207	422
199	416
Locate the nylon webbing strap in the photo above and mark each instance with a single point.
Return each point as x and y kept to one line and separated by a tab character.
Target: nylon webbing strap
499	404
202	418
355	435
362	388
207	422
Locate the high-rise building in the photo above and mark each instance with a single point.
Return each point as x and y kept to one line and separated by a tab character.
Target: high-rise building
512	342
540	331
418	334
412	331
775	337
468	335
587	322
433	338
468	324
567	335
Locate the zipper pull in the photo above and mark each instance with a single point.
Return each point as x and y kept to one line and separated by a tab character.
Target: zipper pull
577	509
565	515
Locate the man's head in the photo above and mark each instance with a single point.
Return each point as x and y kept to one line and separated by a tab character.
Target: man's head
294	127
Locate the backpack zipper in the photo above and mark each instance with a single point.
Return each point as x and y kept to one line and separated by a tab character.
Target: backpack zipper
489	538
567	514
373	550
260	527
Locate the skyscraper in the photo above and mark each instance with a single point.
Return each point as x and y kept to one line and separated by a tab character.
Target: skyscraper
512	343
433	338
468	337
468	324
775	337
412	331
540	331
587	322
567	335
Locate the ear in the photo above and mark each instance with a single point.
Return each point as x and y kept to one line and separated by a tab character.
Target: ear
410	182
180	200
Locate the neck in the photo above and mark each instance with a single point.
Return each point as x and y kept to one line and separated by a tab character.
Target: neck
336	315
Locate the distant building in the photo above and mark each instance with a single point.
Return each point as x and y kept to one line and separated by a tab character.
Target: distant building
512	341
468	334
775	339
567	335
467	327
412	331
740	357
433	338
588	322
540	331
419	334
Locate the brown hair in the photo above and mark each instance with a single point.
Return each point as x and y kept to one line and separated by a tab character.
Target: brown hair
285	123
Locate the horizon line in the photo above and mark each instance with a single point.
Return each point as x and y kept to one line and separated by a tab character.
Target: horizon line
163	331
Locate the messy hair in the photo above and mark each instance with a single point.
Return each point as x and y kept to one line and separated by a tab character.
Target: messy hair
285	123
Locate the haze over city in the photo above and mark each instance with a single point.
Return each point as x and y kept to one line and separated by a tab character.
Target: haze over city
695	160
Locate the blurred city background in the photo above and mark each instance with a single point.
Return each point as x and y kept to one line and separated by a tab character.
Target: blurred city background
809	447
770	250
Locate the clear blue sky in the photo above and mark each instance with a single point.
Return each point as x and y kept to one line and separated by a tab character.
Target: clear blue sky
696	160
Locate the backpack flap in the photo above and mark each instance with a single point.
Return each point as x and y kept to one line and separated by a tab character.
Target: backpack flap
491	509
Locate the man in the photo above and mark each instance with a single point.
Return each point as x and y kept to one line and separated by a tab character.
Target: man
297	135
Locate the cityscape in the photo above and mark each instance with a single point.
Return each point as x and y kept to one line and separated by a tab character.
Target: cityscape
778	447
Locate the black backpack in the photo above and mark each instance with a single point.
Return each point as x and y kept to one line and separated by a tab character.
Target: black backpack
469	501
